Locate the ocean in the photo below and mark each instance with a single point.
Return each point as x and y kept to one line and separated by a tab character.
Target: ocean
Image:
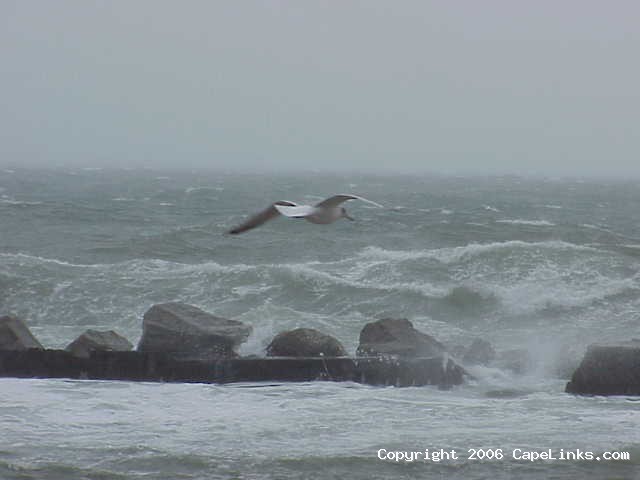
543	266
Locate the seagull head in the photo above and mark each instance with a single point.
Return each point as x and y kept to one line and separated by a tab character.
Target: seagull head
345	215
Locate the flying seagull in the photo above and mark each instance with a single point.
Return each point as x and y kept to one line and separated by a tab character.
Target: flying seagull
327	211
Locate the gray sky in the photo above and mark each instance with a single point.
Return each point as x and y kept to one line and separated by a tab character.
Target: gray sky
455	86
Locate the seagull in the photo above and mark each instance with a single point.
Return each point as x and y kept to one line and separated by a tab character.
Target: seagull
327	211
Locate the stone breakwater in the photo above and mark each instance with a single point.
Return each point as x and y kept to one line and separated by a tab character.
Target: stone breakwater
140	366
182	343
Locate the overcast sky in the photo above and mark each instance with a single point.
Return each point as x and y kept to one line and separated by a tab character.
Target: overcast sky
508	86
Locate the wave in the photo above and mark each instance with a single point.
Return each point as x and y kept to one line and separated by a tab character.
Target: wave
455	254
554	293
534	223
506	282
18	203
353	278
36	259
466	297
190	190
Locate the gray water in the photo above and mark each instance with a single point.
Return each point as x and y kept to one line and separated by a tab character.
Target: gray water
544	265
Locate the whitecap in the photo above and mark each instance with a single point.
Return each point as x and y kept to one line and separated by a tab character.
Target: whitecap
9	201
189	190
490	208
358	279
476	224
534	223
454	254
244	290
36	259
546	287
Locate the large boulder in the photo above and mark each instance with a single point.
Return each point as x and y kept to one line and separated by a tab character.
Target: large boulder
94	340
305	342
397	336
186	332
14	335
608	370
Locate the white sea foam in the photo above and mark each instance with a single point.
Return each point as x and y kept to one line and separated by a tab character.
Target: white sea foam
22	257
490	208
476	224
189	190
601	228
541	291
535	223
9	201
455	254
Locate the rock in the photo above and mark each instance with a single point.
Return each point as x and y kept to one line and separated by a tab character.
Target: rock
480	352
93	340
391	336
305	342
608	370
14	335
188	333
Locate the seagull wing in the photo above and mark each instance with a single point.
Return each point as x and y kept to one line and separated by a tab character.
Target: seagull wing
338	199
261	217
298	211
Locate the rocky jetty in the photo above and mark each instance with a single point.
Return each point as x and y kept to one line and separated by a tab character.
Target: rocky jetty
189	333
608	370
94	340
182	343
15	335
305	342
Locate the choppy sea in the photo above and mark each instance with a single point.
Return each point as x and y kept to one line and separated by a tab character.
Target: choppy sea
542	265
